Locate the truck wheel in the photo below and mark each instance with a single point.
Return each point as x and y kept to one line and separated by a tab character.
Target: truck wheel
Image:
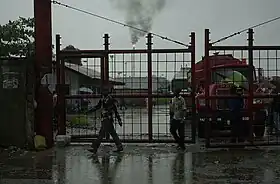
259	130
260	118
201	129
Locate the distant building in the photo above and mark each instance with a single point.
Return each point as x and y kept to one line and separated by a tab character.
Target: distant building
77	76
139	85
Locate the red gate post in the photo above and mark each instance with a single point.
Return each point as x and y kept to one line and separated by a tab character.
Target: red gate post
206	85
43	35
150	87
106	68
251	73
43	65
102	60
63	89
194	120
60	82
57	59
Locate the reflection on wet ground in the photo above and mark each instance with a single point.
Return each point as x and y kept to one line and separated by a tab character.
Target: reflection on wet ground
140	165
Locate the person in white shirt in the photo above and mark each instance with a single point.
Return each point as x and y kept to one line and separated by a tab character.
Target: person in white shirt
177	115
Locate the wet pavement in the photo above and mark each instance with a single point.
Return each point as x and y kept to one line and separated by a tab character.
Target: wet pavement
141	164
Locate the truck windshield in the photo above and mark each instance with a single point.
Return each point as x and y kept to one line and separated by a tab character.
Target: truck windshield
216	74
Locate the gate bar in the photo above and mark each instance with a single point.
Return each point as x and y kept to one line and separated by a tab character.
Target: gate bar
106	59
153	51
250	78
144	95
150	87
206	85
193	123
87	139
57	58
78	55
136	51
60	72
239	47
105	68
243	96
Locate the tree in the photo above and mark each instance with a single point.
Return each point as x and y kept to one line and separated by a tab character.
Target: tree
17	38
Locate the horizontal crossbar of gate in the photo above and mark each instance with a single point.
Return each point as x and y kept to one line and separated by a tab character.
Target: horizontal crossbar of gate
239	47
123	96
101	53
87	139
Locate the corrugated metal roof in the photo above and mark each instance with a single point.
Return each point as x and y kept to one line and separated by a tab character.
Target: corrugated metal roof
90	72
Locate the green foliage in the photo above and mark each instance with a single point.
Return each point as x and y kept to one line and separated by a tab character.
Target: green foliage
162	101
17	38
79	121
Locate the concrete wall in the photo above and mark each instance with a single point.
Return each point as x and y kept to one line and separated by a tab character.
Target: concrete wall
16	109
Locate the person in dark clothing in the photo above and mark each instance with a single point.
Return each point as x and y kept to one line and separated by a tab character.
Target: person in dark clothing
122	104
55	113
236	104
177	115
108	107
84	104
275	109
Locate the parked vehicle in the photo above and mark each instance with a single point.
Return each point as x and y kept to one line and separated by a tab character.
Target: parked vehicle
218	113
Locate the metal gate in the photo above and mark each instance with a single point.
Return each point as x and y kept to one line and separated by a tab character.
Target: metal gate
258	99
141	81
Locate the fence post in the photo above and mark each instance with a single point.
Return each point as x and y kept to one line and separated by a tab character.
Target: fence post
60	84
206	85
251	73
194	120
105	69
106	57
150	87
57	58
58	81
62	89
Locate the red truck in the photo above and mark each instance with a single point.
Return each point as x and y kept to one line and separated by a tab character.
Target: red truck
218	113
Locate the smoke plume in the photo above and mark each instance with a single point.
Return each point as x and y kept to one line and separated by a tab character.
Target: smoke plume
140	14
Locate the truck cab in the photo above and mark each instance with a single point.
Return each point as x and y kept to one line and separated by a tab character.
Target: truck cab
218	112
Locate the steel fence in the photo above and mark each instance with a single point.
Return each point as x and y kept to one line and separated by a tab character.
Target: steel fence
141	80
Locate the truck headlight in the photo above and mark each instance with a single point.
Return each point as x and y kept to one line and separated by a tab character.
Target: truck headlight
201	102
257	101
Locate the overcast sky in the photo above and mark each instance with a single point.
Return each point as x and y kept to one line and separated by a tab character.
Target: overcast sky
176	20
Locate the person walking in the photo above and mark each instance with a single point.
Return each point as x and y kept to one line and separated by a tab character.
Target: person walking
275	108
108	107
236	104
55	113
177	115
